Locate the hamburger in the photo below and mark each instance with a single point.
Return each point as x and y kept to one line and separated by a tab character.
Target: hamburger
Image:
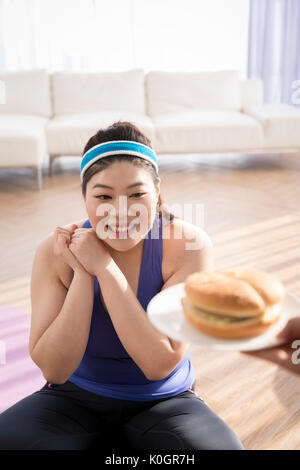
235	303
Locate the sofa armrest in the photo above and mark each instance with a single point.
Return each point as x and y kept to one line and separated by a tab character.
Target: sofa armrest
281	124
267	112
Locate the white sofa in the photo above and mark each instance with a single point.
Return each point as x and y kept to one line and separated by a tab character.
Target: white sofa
83	103
23	119
182	112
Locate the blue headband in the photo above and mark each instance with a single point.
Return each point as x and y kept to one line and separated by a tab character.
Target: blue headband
114	147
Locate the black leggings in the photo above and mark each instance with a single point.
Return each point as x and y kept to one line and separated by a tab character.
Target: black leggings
66	417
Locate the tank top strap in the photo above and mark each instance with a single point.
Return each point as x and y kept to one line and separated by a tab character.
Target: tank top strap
151	281
156	246
86	224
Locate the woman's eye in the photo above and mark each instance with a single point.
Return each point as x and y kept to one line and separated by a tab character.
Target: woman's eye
103	196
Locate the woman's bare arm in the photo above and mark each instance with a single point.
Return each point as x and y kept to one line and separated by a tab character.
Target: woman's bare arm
60	317
154	353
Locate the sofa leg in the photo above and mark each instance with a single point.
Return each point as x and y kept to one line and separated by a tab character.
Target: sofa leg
51	160
39	176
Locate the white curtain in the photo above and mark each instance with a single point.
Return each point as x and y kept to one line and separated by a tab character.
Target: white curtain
98	35
274	43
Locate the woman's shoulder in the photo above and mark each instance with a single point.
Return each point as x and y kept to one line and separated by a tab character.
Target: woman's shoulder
179	232
181	240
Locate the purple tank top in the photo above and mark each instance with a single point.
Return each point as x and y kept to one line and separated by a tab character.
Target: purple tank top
106	368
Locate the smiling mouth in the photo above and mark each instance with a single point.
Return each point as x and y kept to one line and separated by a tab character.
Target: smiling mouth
124	231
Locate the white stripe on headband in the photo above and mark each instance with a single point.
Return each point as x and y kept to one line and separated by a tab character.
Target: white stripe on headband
114	147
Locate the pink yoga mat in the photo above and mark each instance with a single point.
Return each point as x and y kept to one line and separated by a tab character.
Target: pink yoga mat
19	375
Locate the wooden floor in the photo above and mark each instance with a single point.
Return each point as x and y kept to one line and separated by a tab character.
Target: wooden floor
251	212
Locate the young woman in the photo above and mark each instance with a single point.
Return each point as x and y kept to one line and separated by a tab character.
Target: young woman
108	370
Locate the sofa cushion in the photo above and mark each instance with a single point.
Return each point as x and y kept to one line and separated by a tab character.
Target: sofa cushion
280	122
67	134
206	130
252	92
22	140
172	92
91	92
26	92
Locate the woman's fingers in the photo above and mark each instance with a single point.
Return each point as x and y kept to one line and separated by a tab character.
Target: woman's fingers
80	230
281	355
64	251
65	230
75	235
291	330
59	234
78	233
61	240
62	243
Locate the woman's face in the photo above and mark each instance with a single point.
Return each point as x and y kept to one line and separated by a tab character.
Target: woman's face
121	196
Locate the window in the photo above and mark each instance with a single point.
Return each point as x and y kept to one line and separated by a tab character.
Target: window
98	35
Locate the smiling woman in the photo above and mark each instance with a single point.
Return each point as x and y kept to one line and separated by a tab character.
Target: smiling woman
128	132
104	362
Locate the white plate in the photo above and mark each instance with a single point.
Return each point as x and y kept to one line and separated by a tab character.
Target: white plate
166	314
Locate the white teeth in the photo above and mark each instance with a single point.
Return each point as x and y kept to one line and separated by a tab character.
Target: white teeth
123	230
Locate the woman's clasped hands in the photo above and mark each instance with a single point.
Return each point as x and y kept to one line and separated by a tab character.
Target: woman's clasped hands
81	249
89	250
